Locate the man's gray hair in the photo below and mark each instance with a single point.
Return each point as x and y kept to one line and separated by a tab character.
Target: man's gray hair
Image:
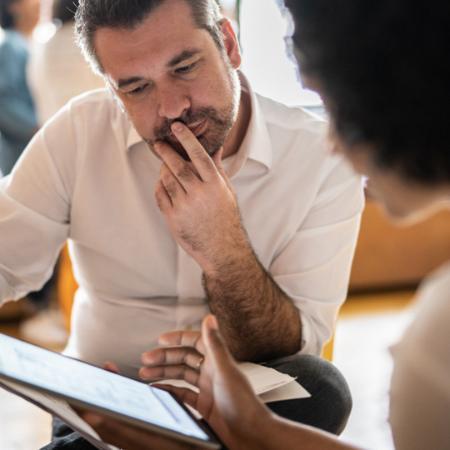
94	14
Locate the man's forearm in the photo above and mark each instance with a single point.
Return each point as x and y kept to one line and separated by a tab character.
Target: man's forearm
258	320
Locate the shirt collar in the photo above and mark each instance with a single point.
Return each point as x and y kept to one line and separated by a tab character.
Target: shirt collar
133	137
256	144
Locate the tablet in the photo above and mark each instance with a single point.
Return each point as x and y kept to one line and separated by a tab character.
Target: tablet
90	387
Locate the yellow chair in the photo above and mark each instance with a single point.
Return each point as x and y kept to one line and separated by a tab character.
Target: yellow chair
66	286
327	350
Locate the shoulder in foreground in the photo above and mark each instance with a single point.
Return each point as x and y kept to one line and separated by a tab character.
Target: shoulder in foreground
437	284
432	313
293	118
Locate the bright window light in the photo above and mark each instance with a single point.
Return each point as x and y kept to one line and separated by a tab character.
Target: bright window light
265	61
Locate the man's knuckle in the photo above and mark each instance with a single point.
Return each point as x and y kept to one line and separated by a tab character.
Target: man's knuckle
204	159
172	194
171	187
163	357
166	176
184	172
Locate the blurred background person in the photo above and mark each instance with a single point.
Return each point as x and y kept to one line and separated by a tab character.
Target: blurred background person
18	122
57	70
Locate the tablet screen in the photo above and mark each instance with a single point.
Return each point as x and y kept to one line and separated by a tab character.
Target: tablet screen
80	381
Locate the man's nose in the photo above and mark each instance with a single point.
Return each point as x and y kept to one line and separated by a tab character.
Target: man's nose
172	102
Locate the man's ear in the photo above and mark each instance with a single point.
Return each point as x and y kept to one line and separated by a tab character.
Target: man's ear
231	43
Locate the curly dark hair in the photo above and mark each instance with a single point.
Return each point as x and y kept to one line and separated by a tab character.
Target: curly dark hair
382	66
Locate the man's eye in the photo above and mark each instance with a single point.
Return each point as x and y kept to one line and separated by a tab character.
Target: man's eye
138	90
186	69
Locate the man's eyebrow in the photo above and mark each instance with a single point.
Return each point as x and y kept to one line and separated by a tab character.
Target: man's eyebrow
124	82
185	54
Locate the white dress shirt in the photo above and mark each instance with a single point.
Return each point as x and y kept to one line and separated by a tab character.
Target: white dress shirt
420	387
89	177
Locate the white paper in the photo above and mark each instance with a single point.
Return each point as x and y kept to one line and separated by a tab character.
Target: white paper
268	383
290	391
265	379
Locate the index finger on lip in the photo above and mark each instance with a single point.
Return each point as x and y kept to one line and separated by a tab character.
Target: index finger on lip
198	155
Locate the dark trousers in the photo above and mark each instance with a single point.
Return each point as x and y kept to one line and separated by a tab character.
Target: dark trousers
328	408
330	403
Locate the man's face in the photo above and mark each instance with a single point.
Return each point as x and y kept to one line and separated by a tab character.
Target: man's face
167	69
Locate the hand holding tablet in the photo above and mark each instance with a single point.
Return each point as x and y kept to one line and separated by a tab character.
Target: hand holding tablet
98	390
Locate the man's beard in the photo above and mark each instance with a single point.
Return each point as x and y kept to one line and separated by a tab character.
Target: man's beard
218	123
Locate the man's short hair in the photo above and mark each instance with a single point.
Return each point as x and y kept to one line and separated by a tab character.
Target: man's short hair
382	67
6	18
94	14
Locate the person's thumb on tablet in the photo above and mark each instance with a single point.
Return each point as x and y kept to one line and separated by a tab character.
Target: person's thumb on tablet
111	367
220	357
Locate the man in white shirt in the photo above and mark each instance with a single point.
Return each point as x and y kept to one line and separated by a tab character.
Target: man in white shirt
264	242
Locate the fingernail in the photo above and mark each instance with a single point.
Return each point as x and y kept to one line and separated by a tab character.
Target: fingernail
146	358
142	373
177	127
162	340
110	366
92	419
